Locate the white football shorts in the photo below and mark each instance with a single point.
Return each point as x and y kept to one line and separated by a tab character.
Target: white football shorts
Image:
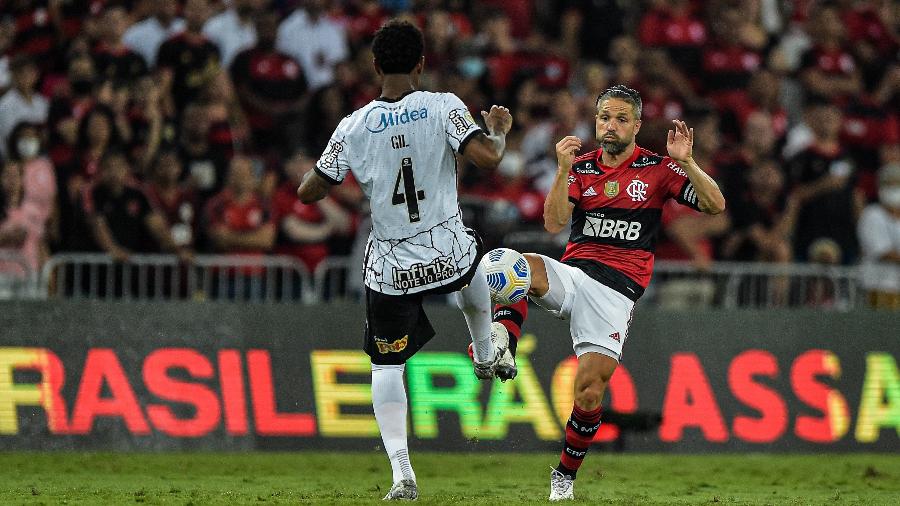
598	315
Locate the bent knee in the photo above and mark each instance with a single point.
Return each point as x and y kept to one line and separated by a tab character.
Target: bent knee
539	283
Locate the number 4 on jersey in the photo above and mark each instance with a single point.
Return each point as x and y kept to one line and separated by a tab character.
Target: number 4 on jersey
410	195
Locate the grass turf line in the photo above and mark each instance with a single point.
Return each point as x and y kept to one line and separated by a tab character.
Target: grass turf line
444	478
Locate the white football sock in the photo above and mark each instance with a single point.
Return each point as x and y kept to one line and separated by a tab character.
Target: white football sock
389	403
475	302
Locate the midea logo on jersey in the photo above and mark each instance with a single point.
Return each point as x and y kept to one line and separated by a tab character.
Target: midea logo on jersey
380	118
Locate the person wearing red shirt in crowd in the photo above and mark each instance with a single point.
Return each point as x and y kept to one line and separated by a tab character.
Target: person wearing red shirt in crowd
870	35
270	85
613	198
188	61
239	222
763	95
508	59
113	58
673	26
303	229
238	219
828	70
34	31
733	57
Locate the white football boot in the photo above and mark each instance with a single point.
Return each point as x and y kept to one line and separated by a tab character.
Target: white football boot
506	366
488	369
403	490
561	487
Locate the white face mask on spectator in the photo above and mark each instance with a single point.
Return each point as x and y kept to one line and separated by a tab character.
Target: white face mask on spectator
890	196
28	147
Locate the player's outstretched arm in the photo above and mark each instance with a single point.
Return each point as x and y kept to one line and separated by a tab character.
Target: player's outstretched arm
486	151
680	145
557	208
314	187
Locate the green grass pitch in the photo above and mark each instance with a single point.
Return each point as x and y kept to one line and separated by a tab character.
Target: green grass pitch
444	478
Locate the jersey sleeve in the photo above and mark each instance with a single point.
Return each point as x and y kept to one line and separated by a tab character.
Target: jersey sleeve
678	186
334	163
459	124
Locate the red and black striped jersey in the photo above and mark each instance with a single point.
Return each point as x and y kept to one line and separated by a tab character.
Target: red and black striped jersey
617	215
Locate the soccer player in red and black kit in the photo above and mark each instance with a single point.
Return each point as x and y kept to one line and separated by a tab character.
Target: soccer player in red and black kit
614	198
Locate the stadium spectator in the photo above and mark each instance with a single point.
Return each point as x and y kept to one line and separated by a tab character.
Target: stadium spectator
828	70
114	60
233	30
271	88
120	216
38	178
303	229
32	31
538	141
879	236
7	31
228	129
675	27
757	143
238	219
762	217
174	199
205	164
733	57
22	102
97	135
763	95
310	36
22	227
145	37
579	16
187	62
822	179
146	121
68	108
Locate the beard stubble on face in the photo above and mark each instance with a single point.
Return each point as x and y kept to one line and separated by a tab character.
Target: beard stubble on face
615	146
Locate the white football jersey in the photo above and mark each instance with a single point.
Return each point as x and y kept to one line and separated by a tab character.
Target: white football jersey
402	154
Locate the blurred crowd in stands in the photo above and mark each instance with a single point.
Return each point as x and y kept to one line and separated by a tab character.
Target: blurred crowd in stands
185	126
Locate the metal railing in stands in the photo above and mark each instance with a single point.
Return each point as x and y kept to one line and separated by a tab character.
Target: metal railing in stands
675	285
166	277
17	279
681	285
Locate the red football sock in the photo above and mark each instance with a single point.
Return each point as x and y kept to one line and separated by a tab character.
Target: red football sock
512	317
580	431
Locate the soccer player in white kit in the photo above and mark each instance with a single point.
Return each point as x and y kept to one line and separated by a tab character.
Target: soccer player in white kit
401	149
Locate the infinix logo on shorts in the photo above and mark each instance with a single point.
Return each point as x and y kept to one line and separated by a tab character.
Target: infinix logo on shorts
424	274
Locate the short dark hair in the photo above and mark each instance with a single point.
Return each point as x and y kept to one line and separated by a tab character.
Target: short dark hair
398	47
625	93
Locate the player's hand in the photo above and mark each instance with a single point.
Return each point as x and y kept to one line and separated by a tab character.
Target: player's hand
565	151
680	143
498	121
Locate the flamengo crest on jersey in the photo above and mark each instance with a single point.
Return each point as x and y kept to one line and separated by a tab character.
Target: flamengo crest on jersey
402	153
